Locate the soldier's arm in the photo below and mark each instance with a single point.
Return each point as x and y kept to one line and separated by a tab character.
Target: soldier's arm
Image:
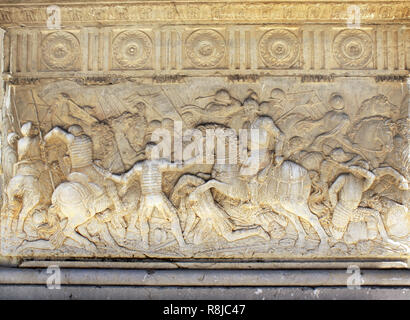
59	133
366	174
120	178
134	171
280	137
335	188
269	125
400	179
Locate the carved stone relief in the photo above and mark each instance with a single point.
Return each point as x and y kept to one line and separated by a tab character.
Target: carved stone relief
218	137
84	182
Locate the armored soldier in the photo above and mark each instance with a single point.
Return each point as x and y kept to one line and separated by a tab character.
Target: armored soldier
258	163
24	187
80	150
80	146
152	197
10	156
345	195
349	188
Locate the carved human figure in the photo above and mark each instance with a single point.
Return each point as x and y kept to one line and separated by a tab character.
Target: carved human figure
24	188
285	190
345	196
10	156
207	216
86	191
55	229
152	197
78	143
223	101
80	151
336	123
67	111
255	168
222	109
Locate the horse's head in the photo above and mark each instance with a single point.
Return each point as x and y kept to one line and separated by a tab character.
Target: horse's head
379	106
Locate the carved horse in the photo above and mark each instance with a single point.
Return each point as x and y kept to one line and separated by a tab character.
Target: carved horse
285	190
78	201
375	128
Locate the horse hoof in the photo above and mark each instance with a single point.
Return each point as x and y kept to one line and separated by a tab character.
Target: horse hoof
323	247
300	243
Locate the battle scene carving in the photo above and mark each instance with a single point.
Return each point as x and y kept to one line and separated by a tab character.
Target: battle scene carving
256	130
136	170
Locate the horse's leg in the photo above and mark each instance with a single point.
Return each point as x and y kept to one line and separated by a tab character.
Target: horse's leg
224	188
12	203
294	220
83	231
109	239
384	171
209	185
245	233
36	244
31	199
303	211
72	232
81	240
10	212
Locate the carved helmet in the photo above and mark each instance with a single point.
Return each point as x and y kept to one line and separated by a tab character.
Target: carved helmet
12	137
75	130
222	96
251	105
27	129
336	101
149	148
278	94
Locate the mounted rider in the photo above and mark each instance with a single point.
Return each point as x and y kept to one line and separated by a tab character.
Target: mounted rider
80	151
256	167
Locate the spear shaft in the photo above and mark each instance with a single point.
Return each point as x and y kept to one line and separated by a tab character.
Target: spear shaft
42	150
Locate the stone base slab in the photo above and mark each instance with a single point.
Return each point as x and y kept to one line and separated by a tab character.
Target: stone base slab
30	292
154	284
201	278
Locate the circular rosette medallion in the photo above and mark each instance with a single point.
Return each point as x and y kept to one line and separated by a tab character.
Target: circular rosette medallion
132	49
205	48
60	50
279	48
352	48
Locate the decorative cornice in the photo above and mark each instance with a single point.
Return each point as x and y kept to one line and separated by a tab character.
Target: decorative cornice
97	13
